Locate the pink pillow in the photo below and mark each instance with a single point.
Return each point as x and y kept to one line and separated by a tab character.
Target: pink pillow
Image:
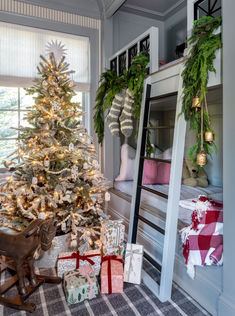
156	172
150	172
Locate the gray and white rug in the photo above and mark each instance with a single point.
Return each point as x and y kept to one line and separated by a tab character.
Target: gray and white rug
136	300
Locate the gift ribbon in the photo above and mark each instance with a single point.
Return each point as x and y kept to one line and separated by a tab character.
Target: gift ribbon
84	271
109	259
130	253
78	257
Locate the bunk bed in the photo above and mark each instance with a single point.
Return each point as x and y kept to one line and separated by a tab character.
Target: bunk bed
207	285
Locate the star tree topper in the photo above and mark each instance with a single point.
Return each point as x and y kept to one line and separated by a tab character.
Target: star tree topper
57	49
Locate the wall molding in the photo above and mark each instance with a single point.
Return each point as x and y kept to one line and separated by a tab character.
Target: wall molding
152	13
111	6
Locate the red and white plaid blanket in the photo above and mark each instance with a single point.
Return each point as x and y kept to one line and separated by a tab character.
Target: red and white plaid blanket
203	239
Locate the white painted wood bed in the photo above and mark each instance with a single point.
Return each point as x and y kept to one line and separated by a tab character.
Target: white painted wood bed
207	286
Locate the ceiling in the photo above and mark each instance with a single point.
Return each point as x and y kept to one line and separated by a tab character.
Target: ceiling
160	6
159	9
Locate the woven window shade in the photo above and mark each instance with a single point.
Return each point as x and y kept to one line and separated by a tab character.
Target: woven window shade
20	48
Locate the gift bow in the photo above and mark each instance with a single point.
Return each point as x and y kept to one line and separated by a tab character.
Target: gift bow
84	271
77	256
109	259
130	253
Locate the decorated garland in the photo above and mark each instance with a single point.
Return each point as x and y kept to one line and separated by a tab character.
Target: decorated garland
112	85
204	44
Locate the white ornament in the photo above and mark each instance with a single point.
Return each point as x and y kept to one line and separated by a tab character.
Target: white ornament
42	215
55	106
85	166
71	147
44	83
96	164
73	240
63	226
47	162
34	180
71	83
107	196
57	49
74	171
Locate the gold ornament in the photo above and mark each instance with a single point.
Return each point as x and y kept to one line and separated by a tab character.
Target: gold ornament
209	136
201	159
196	102
60	155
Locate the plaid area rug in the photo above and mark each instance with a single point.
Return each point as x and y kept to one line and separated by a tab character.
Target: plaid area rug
136	300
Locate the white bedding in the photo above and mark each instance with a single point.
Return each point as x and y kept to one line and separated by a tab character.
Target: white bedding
172	63
161	203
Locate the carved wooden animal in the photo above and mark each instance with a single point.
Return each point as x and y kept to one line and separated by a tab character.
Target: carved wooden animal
22	246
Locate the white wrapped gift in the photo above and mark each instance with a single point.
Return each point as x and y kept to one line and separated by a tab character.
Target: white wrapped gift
112	233
133	263
69	261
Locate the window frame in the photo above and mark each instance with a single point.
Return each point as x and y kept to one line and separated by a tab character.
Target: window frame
85	119
94	36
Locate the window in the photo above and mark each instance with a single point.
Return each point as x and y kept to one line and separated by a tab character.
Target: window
20	49
14	103
208	8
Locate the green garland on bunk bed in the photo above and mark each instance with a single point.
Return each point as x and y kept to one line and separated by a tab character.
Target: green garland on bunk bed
204	43
111	84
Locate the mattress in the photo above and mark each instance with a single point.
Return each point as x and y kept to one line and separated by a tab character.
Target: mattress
161	203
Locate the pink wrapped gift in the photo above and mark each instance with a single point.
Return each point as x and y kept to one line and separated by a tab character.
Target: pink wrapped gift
111	274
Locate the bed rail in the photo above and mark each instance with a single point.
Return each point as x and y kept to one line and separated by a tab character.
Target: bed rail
147	42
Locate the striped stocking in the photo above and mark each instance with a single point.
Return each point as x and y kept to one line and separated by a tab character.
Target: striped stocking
114	113
126	116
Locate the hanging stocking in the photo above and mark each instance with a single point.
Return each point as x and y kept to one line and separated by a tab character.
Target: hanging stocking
114	113
126	116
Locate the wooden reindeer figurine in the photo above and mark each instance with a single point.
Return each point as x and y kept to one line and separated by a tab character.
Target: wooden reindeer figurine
21	248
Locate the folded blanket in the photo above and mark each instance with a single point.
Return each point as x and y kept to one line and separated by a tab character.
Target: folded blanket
203	239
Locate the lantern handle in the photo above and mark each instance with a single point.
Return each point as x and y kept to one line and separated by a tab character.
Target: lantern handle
207	112
202	140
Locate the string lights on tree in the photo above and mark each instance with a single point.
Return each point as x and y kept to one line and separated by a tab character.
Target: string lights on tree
50	180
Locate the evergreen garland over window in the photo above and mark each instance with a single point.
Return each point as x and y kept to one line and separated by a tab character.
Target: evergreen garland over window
111	84
204	43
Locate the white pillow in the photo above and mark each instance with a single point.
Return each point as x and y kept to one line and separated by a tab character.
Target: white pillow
167	154
157	154
127	167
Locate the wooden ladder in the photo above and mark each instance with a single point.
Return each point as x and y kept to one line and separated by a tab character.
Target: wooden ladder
162	289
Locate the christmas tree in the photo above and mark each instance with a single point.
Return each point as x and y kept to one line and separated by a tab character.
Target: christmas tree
58	173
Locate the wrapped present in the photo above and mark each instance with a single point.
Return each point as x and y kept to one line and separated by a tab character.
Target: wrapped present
68	261
111	274
95	256
118	250
80	285
112	233
133	263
